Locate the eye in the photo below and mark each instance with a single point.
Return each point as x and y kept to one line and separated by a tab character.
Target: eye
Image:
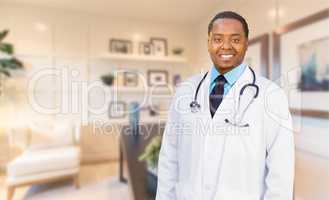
236	40
218	40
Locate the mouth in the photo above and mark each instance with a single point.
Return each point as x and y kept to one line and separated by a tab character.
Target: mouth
226	57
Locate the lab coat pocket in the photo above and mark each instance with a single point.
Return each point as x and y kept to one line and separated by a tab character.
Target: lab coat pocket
233	130
240	169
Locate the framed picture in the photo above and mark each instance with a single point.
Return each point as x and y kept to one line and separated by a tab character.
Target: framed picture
121	46
301	56
257	56
117	109
160	46
177	79
130	79
145	48
157	77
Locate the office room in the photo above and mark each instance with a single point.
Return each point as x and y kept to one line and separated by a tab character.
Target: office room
104	99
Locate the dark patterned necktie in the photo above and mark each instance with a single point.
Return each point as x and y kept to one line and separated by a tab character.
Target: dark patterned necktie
216	95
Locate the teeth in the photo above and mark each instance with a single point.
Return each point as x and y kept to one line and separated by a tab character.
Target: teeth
226	56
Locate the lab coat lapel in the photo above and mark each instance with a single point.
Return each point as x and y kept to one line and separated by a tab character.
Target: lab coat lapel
246	98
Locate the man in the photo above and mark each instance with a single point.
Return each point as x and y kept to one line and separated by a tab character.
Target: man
227	148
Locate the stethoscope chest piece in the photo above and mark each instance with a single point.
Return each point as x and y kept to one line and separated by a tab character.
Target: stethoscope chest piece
195	106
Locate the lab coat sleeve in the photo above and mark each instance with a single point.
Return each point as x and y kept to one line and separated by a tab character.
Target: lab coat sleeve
280	154
168	158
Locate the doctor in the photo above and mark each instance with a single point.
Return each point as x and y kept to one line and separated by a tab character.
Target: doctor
229	132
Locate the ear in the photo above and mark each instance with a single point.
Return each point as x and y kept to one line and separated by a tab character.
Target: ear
208	40
209	36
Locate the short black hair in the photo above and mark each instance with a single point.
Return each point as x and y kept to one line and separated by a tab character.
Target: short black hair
230	15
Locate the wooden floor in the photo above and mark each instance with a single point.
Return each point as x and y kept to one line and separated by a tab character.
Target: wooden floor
310	170
89	174
311	177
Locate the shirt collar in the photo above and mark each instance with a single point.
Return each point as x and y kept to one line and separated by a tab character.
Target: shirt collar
230	76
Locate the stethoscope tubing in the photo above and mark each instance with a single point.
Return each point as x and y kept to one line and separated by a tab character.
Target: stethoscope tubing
194	105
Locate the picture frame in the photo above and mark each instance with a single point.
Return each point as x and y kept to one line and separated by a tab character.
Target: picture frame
117	109
257	56
130	79
290	43
145	48
177	79
121	46
157	78
160	46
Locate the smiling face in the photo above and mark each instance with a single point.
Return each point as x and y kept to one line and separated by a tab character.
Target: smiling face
227	44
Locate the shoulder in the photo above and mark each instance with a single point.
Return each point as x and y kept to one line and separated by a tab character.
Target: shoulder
274	98
269	87
184	94
196	78
276	105
190	84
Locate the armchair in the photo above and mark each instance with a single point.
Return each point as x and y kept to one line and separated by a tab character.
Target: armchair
53	153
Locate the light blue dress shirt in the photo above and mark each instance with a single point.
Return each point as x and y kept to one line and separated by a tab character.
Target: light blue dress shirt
230	76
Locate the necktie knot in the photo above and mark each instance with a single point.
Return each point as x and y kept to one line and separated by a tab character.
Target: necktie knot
220	80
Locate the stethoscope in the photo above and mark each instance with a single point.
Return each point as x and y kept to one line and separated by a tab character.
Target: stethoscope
195	106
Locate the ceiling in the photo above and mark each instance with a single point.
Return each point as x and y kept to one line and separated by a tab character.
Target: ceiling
172	11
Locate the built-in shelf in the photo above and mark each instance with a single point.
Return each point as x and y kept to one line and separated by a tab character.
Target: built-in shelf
143	58
147	91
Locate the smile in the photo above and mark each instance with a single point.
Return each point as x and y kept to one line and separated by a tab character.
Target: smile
226	56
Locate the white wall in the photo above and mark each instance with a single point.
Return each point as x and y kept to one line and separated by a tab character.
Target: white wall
57	38
312	139
46	38
81	34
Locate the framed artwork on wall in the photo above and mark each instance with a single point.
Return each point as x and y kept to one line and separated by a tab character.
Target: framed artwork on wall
177	79
159	46
121	46
157	77
301	63
130	79
257	56
145	48
117	109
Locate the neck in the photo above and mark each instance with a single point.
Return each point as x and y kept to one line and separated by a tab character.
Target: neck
224	70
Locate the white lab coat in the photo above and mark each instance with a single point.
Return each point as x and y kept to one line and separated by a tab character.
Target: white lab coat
204	158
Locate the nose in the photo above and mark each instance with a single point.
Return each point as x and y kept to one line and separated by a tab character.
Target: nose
226	44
